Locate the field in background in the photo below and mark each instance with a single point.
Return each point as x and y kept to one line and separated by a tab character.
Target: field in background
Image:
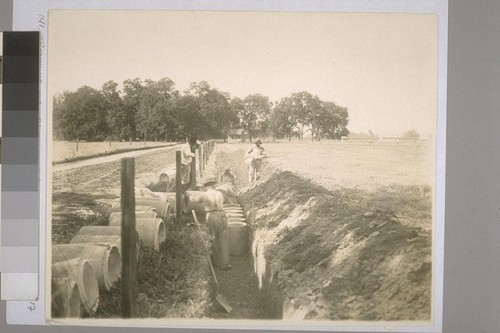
342	164
64	150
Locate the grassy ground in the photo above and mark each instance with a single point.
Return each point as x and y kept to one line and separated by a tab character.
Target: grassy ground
367	166
170	283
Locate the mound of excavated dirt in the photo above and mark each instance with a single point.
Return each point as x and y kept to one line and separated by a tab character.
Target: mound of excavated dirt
337	255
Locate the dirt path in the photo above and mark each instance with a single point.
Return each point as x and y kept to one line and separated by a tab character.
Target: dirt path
102	175
239	287
109	158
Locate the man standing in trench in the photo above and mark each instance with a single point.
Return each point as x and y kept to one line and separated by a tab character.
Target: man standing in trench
253	157
217	224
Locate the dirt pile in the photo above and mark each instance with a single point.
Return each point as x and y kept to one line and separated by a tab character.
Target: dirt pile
338	255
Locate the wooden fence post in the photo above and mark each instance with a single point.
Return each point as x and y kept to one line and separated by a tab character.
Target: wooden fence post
200	161
178	186
192	176
128	243
202	156
206	153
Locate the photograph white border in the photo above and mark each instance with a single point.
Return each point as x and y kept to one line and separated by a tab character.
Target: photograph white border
26	17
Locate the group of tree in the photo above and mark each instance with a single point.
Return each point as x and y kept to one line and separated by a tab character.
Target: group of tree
155	110
408	135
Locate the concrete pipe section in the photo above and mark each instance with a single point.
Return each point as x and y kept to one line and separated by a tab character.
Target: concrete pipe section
83	273
167	175
100	230
170	197
105	259
238	238
235	214
116	207
235	205
151	232
233	209
86	235
161	206
237	219
107	240
66	301
116	217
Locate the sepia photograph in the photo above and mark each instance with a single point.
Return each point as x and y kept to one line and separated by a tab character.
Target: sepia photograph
218	167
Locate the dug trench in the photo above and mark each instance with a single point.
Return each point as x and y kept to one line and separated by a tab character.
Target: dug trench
317	254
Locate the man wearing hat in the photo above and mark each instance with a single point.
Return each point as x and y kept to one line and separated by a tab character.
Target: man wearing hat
217	223
187	154
253	157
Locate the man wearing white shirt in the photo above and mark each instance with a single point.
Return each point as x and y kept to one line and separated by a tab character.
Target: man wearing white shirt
253	157
187	155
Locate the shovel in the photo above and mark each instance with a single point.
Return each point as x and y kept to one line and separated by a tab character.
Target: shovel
219	298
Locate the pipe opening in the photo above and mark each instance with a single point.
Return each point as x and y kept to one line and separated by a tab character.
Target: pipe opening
113	267
152	232
162	234
90	292
66	300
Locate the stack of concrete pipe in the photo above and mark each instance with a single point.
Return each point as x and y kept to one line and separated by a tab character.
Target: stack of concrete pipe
104	257
143	203
160	205
170	197
149	213
151	231
237	228
91	262
88	265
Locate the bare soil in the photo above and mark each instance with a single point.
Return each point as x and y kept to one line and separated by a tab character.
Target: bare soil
342	254
83	195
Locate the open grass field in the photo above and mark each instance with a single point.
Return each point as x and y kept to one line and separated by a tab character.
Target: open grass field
68	150
365	166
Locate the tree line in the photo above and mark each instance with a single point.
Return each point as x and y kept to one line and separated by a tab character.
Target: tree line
155	110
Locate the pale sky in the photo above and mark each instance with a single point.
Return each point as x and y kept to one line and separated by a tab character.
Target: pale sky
382	67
